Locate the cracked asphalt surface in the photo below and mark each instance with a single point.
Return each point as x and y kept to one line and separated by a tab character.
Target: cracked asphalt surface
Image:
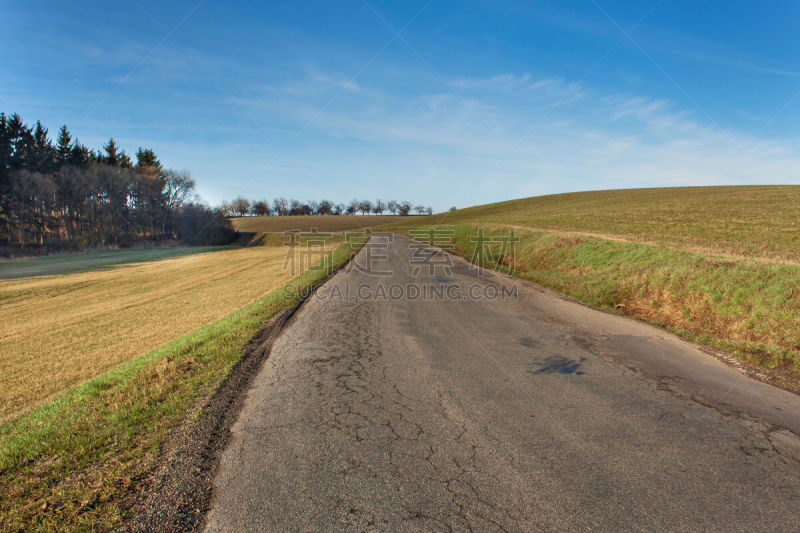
534	413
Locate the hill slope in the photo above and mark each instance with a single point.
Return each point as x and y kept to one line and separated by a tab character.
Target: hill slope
754	221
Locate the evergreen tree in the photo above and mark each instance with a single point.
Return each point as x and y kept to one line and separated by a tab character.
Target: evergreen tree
5	146
146	158
43	154
64	145
79	155
124	160
17	137
111	157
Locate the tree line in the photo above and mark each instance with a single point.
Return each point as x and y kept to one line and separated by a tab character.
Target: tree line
282	207
64	194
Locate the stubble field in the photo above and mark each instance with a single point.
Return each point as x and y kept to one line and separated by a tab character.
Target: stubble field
61	329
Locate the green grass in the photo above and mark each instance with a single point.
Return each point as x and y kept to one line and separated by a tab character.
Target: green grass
67	465
68	263
750	221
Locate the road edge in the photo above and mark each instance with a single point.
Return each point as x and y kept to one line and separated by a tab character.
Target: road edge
776	377
177	494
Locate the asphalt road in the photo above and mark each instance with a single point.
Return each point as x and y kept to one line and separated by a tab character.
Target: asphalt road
479	412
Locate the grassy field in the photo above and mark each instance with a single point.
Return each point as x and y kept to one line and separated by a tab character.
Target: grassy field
59	330
718	265
68	464
306	223
749	221
67	263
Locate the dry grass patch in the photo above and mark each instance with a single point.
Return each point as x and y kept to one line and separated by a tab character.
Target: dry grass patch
61	330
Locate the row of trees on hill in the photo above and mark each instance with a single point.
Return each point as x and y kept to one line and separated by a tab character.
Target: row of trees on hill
63	193
282	207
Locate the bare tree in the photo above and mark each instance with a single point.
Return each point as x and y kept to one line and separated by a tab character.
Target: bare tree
241	205
261	208
178	186
365	206
226	208
295	207
280	206
177	192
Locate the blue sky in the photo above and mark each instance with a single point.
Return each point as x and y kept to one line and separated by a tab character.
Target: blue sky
441	102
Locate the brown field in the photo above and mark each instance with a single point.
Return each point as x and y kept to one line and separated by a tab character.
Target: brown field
59	330
306	223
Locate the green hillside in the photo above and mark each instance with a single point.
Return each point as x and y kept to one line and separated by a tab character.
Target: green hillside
761	221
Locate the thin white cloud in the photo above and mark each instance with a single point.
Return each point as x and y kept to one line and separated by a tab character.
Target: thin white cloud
476	136
335	80
506	81
726	62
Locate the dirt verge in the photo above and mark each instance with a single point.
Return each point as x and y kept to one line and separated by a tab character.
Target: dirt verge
177	493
